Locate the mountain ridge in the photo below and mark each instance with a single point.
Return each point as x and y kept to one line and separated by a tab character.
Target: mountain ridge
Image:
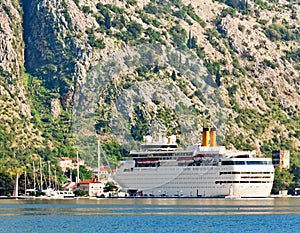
249	48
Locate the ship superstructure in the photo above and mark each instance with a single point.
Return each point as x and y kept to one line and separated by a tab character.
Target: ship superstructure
161	169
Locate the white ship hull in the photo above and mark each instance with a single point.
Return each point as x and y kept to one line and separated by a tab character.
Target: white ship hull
160	169
198	181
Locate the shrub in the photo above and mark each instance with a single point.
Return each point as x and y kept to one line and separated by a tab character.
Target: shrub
134	29
269	63
179	35
79	193
96	43
86	9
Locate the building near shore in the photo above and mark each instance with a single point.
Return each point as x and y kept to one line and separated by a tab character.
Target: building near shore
72	163
281	159
92	187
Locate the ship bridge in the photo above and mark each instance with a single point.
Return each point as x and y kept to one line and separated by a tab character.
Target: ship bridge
240	154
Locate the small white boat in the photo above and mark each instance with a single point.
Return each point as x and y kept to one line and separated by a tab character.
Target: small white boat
63	194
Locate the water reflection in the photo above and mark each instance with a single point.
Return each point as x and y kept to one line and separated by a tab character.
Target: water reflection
144	207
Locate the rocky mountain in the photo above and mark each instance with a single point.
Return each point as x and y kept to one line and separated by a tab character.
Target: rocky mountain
73	71
18	131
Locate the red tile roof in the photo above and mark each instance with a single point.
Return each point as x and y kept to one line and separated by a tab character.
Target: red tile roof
89	181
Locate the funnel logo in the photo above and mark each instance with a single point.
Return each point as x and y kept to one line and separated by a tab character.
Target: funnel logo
146	90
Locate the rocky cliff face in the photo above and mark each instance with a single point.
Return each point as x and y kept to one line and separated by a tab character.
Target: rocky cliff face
17	132
250	51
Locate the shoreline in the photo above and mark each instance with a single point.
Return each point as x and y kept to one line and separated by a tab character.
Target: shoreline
128	198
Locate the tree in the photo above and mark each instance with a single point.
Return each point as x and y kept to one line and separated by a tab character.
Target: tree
282	180
107	20
295	170
6	185
179	35
238	4
191	42
110	187
114	151
173	75
84	173
79	193
134	29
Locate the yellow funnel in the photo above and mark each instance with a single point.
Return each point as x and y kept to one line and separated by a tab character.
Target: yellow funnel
213	137
205	137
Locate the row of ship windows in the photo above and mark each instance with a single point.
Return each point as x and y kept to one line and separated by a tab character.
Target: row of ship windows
218	182
241	181
177	183
201	178
189	183
191	168
225	173
199	174
255	177
177	178
174	182
192	187
246	162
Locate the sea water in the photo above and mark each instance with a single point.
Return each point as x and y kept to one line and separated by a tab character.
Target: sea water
151	215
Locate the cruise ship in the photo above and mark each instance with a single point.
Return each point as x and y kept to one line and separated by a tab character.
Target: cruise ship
160	169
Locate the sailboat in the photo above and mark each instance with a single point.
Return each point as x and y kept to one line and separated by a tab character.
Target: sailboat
30	192
16	187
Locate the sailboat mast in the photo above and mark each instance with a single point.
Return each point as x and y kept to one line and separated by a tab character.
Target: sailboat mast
77	180
41	176
55	180
25	182
16	188
99	166
49	171
34	184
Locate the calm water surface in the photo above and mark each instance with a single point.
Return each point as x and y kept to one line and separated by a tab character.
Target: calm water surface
151	215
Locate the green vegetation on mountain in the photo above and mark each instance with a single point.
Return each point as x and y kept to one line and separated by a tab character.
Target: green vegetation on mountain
250	50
